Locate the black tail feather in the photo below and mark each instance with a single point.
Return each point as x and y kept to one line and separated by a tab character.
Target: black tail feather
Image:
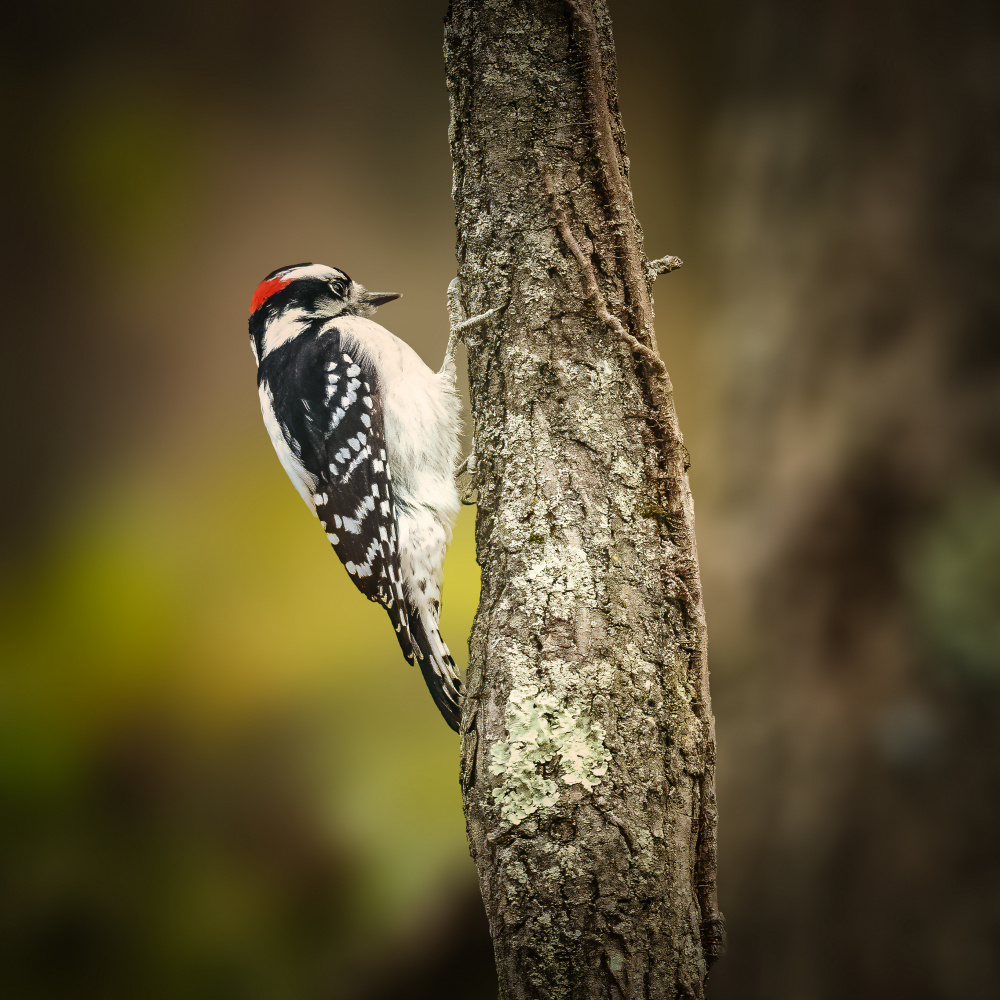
438	668
398	617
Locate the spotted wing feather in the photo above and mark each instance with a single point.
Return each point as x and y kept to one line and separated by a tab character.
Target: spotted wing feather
354	498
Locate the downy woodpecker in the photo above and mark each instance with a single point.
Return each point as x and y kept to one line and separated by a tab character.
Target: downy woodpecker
369	436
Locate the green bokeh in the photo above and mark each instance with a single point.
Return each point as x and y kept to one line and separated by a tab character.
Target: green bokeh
222	776
954	586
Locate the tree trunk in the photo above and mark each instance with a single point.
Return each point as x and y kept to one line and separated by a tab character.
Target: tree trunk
588	742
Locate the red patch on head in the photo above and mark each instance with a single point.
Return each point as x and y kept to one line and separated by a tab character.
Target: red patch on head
265	290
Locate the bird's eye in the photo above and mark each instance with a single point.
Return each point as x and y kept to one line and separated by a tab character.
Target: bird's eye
338	288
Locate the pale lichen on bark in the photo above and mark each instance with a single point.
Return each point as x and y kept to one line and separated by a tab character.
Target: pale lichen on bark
588	742
542	734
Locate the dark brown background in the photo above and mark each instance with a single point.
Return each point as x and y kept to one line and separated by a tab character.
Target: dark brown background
217	777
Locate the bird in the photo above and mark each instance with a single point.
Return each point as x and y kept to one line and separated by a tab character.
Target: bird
369	435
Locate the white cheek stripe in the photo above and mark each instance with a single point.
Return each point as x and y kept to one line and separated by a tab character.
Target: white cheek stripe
284	328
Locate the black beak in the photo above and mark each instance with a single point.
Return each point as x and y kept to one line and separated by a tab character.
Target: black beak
376	299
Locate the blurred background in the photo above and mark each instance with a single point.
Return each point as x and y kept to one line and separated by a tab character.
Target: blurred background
218	778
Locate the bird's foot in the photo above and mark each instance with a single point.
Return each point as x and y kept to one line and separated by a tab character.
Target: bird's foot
465	482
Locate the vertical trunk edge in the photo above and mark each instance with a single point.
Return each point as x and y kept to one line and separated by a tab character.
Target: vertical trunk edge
588	743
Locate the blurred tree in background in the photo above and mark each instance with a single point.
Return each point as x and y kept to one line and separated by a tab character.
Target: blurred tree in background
856	168
198	794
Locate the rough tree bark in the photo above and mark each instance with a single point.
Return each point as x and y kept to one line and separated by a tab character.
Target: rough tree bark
588	742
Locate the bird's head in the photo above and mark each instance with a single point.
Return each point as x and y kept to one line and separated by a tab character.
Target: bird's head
301	294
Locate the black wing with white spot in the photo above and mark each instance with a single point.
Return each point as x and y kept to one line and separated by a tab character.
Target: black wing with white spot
326	401
354	496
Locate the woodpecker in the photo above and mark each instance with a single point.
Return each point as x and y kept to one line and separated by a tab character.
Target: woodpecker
369	436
